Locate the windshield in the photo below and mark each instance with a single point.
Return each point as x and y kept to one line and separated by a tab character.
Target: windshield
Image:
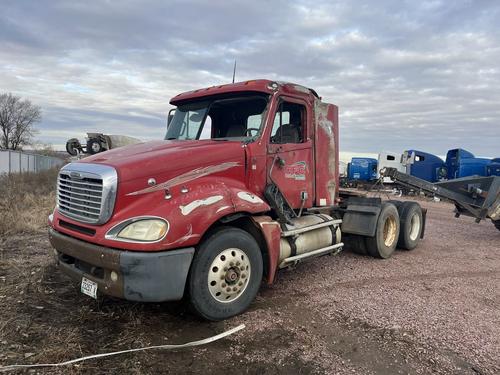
231	118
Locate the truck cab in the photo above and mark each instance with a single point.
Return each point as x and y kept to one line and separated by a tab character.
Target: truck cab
425	166
244	183
390	160
273	124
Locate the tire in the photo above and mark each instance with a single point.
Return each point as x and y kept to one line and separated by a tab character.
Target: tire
398	205
93	146
412	223
383	244
356	244
225	275
72	146
497	224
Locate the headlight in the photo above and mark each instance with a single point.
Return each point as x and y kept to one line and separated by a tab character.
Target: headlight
140	230
144	230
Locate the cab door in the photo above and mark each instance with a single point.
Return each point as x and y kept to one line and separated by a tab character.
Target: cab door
290	153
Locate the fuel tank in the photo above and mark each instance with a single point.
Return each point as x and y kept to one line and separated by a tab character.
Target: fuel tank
311	240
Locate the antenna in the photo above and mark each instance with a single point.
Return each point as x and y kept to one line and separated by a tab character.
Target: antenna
234	70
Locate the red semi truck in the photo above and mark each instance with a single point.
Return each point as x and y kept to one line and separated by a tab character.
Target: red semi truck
245	182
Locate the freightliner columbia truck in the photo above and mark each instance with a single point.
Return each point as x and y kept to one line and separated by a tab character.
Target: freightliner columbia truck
246	182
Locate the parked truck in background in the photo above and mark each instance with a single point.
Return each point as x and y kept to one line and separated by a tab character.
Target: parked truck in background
361	171
245	183
493	169
424	165
389	160
462	163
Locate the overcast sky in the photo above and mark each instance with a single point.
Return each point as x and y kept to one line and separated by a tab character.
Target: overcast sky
405	74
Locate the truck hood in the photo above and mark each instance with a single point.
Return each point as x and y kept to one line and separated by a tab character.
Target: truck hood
168	158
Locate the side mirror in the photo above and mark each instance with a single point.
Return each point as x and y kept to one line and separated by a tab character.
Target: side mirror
170	116
408	158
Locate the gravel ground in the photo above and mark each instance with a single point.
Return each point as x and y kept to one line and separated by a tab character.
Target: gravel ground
435	309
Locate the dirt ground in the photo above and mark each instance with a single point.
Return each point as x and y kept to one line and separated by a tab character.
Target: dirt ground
435	309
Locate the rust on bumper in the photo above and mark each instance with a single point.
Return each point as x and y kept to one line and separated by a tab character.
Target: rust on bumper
80	259
137	276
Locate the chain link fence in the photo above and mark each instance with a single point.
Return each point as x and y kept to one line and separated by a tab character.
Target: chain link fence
18	161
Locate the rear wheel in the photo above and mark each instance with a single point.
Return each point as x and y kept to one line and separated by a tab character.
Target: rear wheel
356	244
225	275
412	222
497	224
383	244
398	204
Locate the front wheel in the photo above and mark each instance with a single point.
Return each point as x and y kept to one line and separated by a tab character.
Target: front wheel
225	275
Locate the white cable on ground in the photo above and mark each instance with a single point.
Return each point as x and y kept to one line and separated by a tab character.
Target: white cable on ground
81	359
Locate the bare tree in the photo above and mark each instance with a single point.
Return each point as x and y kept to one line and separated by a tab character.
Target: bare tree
17	120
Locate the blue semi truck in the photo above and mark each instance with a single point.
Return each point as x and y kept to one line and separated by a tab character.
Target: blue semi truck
425	166
462	163
362	170
493	169
459	163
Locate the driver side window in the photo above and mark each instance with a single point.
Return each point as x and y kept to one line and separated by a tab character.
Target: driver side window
289	123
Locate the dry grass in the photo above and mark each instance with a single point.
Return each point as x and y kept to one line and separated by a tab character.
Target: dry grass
26	199
431	310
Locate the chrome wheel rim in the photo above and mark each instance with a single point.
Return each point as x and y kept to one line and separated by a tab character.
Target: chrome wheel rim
414	227
229	275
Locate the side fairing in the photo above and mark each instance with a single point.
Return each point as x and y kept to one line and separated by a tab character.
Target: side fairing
326	152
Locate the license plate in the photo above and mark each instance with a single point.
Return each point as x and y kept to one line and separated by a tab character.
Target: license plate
89	288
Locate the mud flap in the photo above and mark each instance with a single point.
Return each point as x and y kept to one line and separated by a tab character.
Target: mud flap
424	219
361	216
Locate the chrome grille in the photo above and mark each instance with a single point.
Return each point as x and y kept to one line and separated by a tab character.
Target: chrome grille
86	192
80	198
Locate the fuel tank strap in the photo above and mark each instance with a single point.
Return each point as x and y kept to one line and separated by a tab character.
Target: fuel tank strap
293	246
332	229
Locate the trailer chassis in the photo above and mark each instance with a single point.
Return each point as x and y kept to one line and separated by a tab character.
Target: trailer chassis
476	196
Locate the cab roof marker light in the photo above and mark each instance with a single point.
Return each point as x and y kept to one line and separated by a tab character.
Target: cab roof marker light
273	86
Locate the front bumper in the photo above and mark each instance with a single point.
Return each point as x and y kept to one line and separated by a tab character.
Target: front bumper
138	276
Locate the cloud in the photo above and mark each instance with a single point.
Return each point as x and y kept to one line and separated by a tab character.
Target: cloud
405	74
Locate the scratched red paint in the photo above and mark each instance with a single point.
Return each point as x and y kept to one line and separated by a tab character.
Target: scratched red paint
197	170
